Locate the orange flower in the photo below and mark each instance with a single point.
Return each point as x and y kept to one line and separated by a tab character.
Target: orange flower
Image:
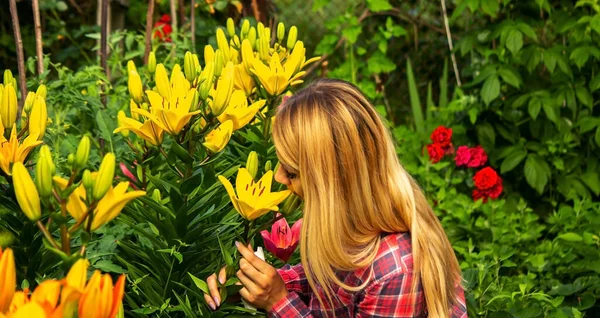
8	279
100	299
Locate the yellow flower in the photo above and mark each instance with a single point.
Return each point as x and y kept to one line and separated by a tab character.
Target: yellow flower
238	110
253	199
77	275
223	44
8	278
134	84
112	203
38	118
297	59
275	78
162	81
222	94
11	151
243	80
46	294
149	130
218	138
8	106
20	299
26	193
100	299
75	203
30	310
106	174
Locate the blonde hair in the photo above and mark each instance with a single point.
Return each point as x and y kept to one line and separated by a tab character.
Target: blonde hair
355	189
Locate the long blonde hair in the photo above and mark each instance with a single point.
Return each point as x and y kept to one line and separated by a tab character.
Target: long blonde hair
355	189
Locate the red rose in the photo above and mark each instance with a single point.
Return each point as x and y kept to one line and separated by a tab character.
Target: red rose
449	149
478	157
436	152
463	155
478	194
163	28
485	178
165	18
491	193
442	136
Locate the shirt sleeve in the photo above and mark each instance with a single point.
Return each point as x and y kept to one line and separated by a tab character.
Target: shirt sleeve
290	307
295	279
391	297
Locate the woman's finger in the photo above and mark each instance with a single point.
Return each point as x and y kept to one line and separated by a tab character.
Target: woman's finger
248	254
249	285
213	288
210	302
251	272
223	275
246	295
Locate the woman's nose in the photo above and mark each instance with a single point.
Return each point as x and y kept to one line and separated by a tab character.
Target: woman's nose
281	177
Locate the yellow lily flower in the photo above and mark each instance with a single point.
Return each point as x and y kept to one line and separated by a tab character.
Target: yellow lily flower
20	299
218	138
170	115
46	294
11	151
75	203
100	299
297	59
134	84
8	279
113	202
275	78
162	81
243	80
77	275
238	110
149	130
222	95
38	118
29	310
253	199
8	105
26	192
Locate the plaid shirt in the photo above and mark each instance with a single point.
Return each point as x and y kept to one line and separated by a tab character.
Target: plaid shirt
387	295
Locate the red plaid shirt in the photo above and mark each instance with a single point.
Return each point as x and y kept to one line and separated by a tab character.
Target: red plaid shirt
387	295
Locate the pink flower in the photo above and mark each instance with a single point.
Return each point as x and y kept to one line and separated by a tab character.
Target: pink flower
478	157
282	241
463	155
127	173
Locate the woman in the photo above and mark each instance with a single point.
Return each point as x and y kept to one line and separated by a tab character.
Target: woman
371	245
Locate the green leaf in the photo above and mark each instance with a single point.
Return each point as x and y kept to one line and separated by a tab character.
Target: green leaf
551	111
61	6
597	137
379	63
527	30
571	237
486	135
109	267
444	86
490	7
105	131
584	96
535	105
490	89
379	5
513	160
549	57
592	180
473	5
352	33
514	40
510	77
595	23
587	124
415	102
580	55
202	285
595	83
536	172
318	4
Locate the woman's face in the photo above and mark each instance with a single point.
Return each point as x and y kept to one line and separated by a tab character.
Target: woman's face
291	180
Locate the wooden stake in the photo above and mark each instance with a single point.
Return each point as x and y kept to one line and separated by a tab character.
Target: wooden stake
39	50
104	42
193	24
20	56
149	24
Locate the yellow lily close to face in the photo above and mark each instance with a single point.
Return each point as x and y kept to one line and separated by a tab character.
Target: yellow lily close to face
108	207
253	199
238	110
218	138
8	279
170	107
11	151
275	78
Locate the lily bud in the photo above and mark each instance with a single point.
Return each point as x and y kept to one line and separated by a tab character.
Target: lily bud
235	40
247	55
189	67
38	118
207	80
252	38
292	37
151	62
268	166
195	101
26	193
290	204
219	62
8	107
209	54
252	164
42	91
230	27
223	91
83	153
70	159
120	118
156	195
162	81
131	66
197	66
29	102
245	28
87	180
44	171
8	77
134	83
223	45
106	173
175	72
280	31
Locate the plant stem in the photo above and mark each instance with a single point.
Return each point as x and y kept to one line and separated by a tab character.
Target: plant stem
104	44
450	45
193	24
20	56
64	233
149	22
47	235
39	51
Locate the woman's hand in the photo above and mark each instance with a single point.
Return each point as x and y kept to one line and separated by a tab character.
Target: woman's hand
263	287
214	299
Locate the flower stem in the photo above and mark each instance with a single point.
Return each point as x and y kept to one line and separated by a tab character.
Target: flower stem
47	235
